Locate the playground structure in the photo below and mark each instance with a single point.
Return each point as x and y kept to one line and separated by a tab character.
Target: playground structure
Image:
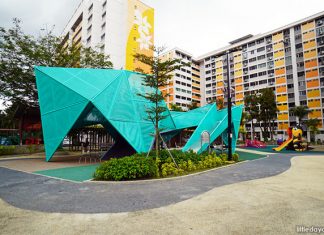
294	141
255	144
73	98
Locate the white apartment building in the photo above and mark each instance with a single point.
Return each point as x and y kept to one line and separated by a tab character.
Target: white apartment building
118	28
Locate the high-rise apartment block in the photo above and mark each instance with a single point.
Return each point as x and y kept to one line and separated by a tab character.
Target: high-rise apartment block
118	28
184	88
290	60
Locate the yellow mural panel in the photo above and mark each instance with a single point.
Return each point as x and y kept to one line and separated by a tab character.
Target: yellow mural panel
141	34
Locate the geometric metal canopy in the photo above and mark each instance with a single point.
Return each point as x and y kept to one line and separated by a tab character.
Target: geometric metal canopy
76	97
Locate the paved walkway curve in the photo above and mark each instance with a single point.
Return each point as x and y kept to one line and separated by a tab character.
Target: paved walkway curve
40	193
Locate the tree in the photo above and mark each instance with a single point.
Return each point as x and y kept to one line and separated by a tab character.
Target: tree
242	130
20	52
219	103
252	110
175	107
192	105
268	112
300	112
313	124
161	73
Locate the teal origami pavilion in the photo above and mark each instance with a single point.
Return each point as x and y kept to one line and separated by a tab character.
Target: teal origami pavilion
77	97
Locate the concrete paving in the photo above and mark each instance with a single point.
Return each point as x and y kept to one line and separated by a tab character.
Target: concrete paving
273	205
40	193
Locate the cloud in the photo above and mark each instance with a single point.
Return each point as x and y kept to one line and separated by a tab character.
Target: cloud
37	14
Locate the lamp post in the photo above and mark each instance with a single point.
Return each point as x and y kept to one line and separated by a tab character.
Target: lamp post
229	108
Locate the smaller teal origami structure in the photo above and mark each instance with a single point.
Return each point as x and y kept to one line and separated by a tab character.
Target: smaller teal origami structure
73	97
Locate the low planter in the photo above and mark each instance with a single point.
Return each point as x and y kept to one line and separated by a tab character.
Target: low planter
139	167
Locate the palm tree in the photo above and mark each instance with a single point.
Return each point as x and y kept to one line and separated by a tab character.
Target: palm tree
300	112
312	124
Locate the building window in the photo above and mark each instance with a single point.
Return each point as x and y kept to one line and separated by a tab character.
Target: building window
90	8
89	40
103	37
104	4
89	29
302	93
103	26
89	18
260	49
304	102
103	16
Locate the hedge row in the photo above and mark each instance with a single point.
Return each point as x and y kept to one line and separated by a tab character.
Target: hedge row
16	149
139	166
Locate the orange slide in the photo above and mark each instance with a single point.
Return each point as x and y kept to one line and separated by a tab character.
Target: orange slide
283	145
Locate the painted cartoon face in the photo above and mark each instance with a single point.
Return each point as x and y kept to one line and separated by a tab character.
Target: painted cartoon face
297	132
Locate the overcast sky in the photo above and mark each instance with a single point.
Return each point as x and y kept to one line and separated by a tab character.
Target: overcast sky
197	26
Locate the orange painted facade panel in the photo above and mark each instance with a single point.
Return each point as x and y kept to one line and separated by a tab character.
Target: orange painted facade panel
280	71
277	37
278	45
279	63
238	88
308	26
315	114
238	73
283	125
237	66
281	80
239	96
314	103
283	116
278	54
313	93
309	44
312	73
309	35
311	63
312	83
310	54
282	98
219	92
282	107
281	89
220	84
238	80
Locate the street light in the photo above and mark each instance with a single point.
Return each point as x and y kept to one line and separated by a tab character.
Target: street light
229	104
229	108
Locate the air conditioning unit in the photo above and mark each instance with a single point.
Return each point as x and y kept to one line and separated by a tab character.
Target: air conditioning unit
269	40
244	50
269	49
270	58
271	83
245	72
320	22
271	74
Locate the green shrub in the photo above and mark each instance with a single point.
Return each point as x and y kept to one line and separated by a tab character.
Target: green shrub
7	150
140	166
127	168
223	156
235	157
